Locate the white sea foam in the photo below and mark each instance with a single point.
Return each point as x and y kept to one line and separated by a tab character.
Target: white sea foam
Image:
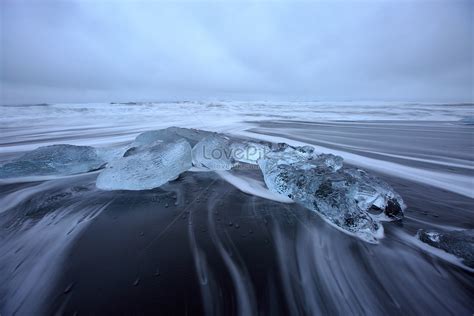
252	186
432	250
103	124
97	124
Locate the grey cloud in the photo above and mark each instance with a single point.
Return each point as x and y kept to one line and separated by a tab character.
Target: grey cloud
74	51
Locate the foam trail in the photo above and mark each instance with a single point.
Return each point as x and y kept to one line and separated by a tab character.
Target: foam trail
451	182
449	162
253	187
245	296
438	226
432	250
44	178
204	274
13	199
431	161
32	255
17	197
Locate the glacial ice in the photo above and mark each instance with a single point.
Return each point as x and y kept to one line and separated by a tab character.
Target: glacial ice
171	134
147	167
53	160
111	153
248	151
301	157
346	197
213	153
376	196
459	243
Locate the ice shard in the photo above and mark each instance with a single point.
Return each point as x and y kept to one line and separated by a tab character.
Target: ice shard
147	167
346	197
300	157
53	160
213	153
459	243
376	196
248	151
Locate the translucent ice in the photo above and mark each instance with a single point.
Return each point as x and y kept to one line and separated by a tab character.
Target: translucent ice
376	196
147	167
214	153
458	243
111	153
170	134
331	161
327	193
302	157
248	151
53	160
345	197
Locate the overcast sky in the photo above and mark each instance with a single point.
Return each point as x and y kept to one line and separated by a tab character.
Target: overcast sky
91	51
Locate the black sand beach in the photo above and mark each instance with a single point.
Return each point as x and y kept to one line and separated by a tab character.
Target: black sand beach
199	245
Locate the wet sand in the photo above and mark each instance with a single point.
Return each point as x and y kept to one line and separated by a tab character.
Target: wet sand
222	251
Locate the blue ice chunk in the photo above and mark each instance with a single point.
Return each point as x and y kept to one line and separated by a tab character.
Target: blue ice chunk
53	160
146	167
